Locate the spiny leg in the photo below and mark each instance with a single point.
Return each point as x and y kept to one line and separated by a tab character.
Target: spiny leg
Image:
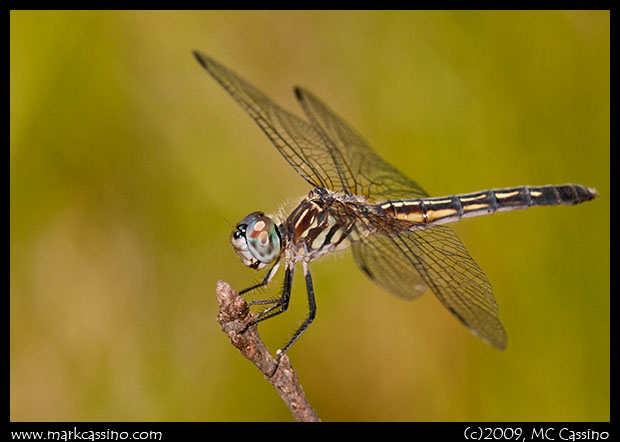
307	321
268	277
282	302
265	281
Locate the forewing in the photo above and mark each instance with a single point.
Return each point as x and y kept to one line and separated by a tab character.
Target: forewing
361	170
300	144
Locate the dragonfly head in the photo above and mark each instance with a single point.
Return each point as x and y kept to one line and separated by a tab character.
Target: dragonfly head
256	240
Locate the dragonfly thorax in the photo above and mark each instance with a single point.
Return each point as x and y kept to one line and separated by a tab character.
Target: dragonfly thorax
256	240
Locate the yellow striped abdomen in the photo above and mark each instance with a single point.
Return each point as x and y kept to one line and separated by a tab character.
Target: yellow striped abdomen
452	208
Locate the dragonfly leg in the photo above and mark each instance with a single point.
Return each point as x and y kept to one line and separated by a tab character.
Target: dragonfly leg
282	302
307	321
266	280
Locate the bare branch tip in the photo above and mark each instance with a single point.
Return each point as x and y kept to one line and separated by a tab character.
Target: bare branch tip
238	322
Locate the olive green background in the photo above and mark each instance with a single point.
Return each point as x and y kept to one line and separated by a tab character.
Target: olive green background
129	167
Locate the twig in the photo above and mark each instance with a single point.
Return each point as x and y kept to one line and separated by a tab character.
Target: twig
234	316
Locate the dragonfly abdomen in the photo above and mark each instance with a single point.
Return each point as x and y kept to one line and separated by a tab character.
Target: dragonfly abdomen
447	209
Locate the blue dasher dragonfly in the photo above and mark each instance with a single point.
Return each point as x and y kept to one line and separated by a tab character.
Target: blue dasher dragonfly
395	230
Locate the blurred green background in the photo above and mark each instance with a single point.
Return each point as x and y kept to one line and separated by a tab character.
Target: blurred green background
129	165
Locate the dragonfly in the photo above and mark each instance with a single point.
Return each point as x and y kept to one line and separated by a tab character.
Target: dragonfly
396	231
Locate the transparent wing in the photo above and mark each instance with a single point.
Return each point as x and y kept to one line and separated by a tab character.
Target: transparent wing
300	144
380	257
361	170
326	153
403	261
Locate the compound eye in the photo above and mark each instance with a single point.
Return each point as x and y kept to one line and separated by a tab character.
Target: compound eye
263	240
